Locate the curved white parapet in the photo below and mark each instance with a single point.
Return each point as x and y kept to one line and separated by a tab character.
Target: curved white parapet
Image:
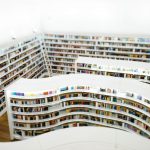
115	68
85	138
36	106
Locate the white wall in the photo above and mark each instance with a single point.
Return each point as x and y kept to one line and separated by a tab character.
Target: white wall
20	17
17	19
103	16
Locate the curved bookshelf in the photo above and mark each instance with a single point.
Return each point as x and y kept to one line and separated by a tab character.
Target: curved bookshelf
73	103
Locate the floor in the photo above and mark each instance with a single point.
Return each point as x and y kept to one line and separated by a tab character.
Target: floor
4	129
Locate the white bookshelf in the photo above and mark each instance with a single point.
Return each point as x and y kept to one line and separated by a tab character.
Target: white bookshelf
57	53
41	105
23	60
115	68
68	47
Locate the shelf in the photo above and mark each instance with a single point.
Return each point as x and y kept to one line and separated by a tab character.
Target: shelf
74	104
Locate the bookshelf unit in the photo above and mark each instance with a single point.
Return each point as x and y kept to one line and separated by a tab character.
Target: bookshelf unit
115	68
63	49
55	53
75	101
24	59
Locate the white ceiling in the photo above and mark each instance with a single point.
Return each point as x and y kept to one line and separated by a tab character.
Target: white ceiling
21	17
